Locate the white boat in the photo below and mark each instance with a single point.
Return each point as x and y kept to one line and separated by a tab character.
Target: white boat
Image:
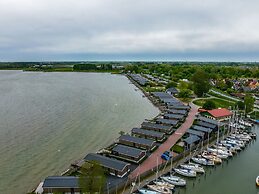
257	181
177	181
220	151
185	172
192	166
164	184
213	157
203	161
146	191
159	189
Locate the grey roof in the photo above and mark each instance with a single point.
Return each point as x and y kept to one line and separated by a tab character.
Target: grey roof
176	111
162	95
200	128
148	132
172	90
177	106
191	139
167	121
208	125
208	120
107	162
173	116
155	126
61	182
137	140
170	100
127	151
138	78
195	132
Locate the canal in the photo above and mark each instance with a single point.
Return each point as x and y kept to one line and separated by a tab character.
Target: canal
234	176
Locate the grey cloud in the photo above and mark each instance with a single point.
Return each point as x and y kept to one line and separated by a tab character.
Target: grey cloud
48	28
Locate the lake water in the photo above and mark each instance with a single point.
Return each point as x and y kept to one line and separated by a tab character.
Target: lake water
49	120
236	176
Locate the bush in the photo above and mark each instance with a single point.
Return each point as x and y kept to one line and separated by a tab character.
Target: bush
209	105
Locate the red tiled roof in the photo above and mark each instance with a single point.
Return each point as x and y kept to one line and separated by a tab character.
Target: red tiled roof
221	112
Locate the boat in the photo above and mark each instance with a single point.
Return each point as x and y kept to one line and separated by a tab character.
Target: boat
159	189
177	181
146	191
228	153
213	157
257	181
203	161
185	172
192	166
164	184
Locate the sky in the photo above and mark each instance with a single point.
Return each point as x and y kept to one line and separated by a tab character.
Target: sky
209	30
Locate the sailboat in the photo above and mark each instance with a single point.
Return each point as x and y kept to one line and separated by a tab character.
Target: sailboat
159	189
146	191
185	172
192	166
257	181
177	181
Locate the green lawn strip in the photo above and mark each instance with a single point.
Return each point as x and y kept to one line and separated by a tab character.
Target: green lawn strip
177	149
219	103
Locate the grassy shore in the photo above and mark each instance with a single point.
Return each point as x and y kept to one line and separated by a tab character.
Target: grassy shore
220	103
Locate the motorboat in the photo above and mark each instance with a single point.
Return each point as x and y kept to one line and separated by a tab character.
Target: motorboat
203	161
192	166
185	172
164	184
219	151
219	155
225	148
213	157
175	180
257	181
159	189
147	191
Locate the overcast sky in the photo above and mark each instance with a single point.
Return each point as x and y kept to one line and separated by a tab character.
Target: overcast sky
129	30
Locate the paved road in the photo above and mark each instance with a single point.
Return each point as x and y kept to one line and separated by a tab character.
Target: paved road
154	159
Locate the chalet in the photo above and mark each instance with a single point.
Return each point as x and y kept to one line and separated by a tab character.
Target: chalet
176	111
191	141
137	142
157	136
196	132
157	127
221	114
172	91
207	125
61	184
174	116
178	107
113	166
139	79
169	122
128	153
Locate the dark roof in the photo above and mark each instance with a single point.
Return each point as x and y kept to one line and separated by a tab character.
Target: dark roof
172	90
195	132
137	140
61	182
162	95
191	139
138	78
173	116
155	126
107	162
176	111
203	129
128	151
148	132
170	100
167	121
208	120
177	106
208	125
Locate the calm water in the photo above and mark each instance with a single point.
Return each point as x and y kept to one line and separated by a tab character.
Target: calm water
48	120
237	176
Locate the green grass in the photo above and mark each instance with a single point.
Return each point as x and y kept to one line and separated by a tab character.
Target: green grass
177	149
220	96
218	102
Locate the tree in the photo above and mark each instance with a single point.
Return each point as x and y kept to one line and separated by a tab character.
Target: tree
185	93
171	84
200	83
249	103
92	178
209	105
240	105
